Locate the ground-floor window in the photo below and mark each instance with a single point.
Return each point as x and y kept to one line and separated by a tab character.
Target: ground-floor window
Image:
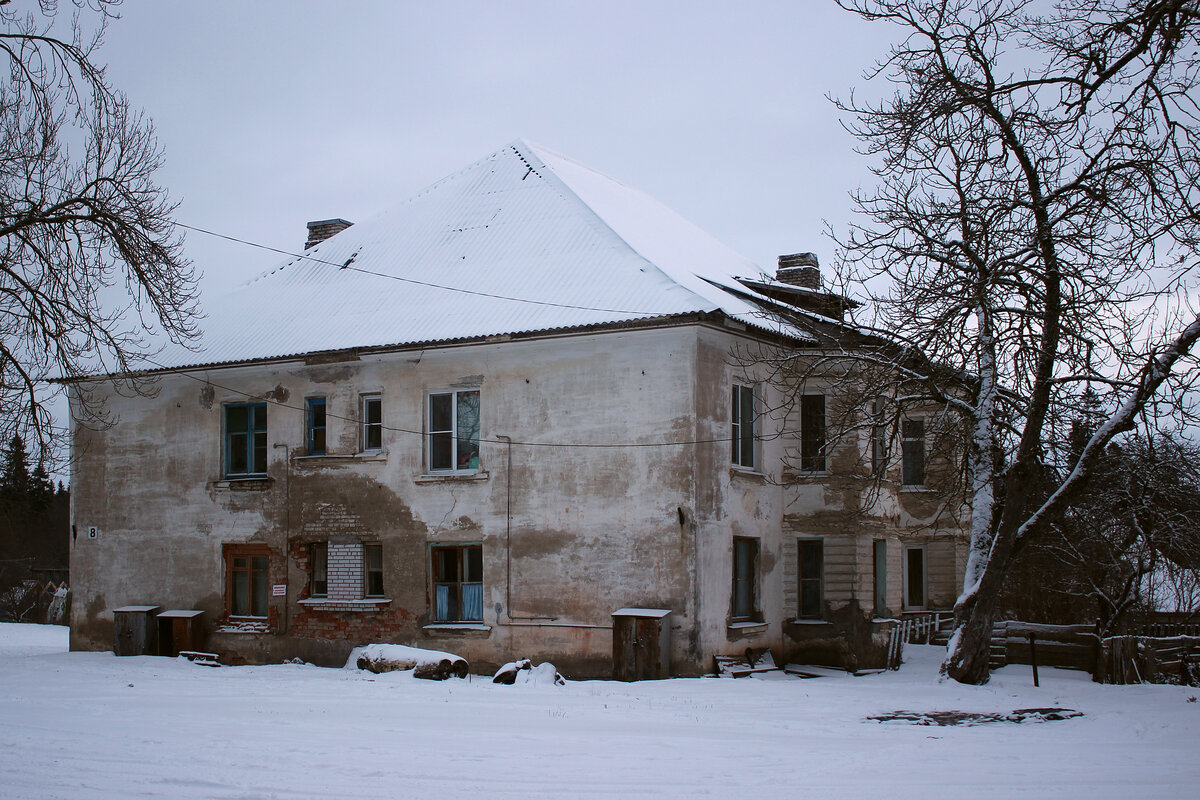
811	572
457	583
247	580
745	579
879	565
373	570
914	577
318	569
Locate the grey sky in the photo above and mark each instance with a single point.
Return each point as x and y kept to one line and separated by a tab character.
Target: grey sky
276	113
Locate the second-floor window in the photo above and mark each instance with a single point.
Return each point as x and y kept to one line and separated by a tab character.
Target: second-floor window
912	448
453	431
372	422
316	425
245	439
812	433
743	422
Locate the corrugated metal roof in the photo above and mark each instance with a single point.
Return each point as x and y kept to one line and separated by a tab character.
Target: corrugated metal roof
523	240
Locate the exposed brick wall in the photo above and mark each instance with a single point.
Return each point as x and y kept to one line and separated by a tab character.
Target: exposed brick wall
361	622
345	570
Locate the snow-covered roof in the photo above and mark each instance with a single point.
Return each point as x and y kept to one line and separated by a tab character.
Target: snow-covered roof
523	240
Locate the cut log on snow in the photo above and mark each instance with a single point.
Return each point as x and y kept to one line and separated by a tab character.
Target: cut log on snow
429	664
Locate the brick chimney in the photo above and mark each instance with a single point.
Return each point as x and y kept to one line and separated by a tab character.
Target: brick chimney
322	229
800	269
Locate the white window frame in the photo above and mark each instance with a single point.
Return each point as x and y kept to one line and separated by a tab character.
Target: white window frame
736	456
908	604
365	425
453	431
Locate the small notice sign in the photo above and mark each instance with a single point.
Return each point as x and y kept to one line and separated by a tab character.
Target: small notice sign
279	590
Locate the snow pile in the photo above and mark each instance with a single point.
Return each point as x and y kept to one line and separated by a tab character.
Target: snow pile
525	673
431	664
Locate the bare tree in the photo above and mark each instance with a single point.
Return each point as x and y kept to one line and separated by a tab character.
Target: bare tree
1130	538
1032	233
81	219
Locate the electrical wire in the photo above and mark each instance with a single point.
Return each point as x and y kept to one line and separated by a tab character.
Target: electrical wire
347	266
396	429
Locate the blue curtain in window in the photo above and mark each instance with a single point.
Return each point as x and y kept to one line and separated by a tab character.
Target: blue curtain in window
473	601
441	608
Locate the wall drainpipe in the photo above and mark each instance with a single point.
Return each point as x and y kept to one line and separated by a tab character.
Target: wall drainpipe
287	530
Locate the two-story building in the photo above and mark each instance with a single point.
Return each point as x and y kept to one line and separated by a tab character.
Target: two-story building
485	421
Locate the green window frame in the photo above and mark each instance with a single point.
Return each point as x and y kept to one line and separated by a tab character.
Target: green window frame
245	440
315	424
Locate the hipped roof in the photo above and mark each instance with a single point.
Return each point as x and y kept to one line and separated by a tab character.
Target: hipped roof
524	240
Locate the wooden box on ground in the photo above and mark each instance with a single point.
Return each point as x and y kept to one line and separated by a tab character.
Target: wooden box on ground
641	644
180	629
135	632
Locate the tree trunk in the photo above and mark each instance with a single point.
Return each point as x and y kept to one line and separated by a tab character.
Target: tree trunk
970	646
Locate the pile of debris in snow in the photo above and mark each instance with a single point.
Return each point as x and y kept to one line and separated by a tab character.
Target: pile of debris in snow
429	664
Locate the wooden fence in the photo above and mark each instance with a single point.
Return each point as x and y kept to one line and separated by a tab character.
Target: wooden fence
1146	659
1068	646
1166	650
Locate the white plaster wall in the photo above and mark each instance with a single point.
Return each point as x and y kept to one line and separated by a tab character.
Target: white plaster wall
591	529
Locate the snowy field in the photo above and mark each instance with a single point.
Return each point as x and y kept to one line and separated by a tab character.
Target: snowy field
90	725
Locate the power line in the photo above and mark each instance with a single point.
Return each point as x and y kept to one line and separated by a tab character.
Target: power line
396	429
347	266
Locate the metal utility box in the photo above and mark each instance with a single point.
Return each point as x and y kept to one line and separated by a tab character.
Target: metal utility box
180	629
135	631
641	644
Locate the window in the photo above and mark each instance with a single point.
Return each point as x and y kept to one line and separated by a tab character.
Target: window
458	583
318	569
812	563
812	433
914	577
372	422
745	579
373	570
316	426
246	580
743	419
245	439
912	447
878	440
454	431
879	564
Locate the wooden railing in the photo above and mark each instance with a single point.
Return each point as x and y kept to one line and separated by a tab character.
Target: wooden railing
917	627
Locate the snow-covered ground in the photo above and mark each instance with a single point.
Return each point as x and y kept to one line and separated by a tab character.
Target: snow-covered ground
90	725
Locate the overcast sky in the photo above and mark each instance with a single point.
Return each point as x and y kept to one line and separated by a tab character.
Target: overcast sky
276	113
